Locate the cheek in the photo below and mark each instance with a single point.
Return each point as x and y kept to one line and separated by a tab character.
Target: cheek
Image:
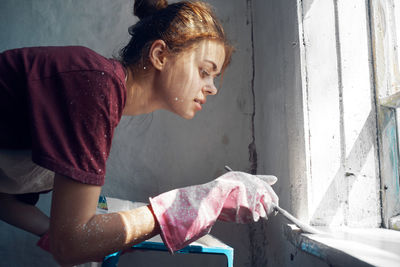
185	86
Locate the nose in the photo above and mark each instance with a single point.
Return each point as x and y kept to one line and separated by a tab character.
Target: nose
210	89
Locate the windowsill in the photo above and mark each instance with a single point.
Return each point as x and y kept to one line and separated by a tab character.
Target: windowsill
349	246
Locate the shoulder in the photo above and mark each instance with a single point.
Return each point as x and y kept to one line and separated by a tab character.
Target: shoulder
50	51
49	61
78	58
60	58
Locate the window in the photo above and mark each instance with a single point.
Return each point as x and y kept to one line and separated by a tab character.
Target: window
351	89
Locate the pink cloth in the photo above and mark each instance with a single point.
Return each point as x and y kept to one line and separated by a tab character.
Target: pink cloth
44	242
187	214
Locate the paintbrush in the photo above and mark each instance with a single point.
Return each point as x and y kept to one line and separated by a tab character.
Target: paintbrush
303	226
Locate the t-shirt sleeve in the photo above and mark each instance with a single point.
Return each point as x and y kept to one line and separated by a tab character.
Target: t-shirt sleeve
73	117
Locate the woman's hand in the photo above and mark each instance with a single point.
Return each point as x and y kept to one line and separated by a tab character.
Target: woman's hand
188	213
251	197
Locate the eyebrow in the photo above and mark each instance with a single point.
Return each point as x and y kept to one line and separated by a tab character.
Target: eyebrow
214	66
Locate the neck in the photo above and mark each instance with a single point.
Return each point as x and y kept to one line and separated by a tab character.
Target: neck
140	93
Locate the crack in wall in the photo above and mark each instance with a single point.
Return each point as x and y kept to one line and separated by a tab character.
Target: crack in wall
258	242
252	145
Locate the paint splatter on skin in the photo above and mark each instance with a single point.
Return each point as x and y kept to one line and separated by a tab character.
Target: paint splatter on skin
105	234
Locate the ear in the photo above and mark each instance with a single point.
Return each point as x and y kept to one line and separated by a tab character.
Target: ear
157	54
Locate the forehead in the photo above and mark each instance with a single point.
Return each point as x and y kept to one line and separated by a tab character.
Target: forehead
206	50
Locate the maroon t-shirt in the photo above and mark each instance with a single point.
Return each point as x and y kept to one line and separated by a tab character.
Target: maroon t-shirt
63	103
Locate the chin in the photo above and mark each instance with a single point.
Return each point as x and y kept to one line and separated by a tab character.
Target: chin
187	116
184	113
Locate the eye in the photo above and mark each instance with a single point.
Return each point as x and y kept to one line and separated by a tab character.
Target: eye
204	73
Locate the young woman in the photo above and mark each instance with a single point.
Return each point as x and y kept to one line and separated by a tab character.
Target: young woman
59	107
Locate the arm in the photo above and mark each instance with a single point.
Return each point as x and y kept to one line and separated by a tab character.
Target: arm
78	235
23	215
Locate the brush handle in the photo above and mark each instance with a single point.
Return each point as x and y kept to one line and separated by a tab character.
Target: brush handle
304	227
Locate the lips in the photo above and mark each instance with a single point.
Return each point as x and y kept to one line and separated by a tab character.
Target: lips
200	101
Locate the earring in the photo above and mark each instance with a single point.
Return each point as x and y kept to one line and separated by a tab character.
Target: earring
144	67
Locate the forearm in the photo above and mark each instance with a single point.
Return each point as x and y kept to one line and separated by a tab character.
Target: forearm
23	215
104	234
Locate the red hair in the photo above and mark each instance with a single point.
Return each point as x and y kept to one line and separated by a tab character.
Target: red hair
180	25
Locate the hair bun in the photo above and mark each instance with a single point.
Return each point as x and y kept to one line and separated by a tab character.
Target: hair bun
145	8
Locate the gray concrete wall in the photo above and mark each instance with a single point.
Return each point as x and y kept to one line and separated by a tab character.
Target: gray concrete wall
154	153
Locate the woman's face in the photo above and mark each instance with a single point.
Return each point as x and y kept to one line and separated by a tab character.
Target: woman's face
188	78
